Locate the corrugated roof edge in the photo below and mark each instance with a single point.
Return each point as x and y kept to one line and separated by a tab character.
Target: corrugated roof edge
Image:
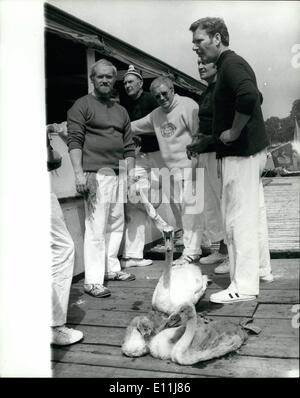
66	25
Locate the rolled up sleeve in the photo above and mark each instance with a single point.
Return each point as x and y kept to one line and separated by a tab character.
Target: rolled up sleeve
76	127
129	147
143	125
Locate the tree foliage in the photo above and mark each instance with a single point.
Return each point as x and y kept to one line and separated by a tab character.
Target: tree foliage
282	130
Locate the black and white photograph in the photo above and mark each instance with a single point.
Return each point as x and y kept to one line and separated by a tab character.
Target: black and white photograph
150	191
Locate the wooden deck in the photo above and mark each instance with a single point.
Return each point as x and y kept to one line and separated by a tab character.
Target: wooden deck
282	198
273	353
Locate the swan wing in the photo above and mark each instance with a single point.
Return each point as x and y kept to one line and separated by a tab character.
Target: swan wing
163	343
187	284
212	340
161	298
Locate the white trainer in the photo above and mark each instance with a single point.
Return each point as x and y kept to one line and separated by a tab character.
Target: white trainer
61	335
222	268
267	278
227	296
186	259
213	258
135	262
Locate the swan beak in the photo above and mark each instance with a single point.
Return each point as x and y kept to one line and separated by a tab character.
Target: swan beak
168	236
172	321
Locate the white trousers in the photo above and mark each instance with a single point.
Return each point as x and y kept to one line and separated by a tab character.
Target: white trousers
136	221
103	229
137	215
245	221
191	215
62	249
214	229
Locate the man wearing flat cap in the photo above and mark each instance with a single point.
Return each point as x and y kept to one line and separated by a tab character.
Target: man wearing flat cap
138	104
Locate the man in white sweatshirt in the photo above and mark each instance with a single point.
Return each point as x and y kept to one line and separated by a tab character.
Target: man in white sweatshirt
175	123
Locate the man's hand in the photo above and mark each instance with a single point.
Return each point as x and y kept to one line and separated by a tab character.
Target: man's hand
58	129
228	136
51	130
132	188
198	145
190	154
80	182
131	179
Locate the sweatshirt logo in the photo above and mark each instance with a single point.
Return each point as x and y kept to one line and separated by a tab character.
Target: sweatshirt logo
167	129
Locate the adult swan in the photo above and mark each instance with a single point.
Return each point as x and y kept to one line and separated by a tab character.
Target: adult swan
178	284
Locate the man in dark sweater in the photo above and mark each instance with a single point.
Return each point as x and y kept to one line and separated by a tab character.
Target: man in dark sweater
238	127
138	104
99	137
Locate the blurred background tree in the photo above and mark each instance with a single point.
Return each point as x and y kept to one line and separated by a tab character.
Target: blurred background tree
282	130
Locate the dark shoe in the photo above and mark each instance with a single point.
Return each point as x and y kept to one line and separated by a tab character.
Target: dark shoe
97	290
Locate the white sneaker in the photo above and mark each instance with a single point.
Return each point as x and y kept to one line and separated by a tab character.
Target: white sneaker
186	259
135	262
227	296
267	278
213	258
222	268
61	335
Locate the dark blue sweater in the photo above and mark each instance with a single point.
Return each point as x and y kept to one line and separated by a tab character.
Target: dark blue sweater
137	109
236	90
102	131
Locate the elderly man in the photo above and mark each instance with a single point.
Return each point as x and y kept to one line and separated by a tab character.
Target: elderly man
238	126
204	144
175	122
139	103
99	138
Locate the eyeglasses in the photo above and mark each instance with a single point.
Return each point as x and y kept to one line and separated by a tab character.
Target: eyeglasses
162	94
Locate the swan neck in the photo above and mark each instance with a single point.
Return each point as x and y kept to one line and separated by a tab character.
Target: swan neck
168	269
188	335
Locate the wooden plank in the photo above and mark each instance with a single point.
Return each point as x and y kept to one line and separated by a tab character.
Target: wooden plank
101	318
271	347
274	311
278	296
120	319
286	272
279	283
140	300
263	345
233	365
116	318
281	328
72	370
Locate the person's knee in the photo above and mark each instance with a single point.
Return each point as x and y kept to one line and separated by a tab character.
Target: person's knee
69	250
